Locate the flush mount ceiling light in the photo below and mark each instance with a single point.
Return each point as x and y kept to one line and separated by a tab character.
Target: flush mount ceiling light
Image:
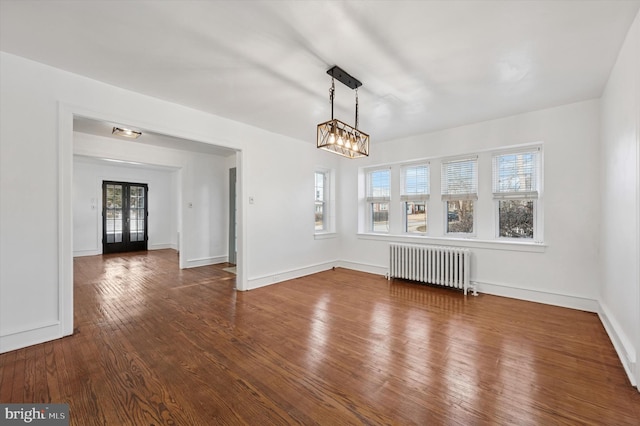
126	133
337	136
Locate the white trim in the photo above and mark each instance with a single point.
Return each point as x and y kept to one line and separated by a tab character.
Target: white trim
33	335
537	296
163	246
265	280
520	293
324	235
205	261
527	246
459	158
364	267
83	253
96	252
621	342
65	220
519	149
635	375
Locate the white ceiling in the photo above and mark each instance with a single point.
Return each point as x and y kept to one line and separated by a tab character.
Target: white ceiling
424	65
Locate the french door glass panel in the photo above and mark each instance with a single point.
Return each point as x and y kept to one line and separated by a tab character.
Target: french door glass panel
114	216
124	216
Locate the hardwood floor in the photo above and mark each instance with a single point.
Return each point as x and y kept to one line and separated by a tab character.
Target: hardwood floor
157	345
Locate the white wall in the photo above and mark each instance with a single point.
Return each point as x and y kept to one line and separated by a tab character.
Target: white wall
283	213
37	104
620	204
565	270
88	175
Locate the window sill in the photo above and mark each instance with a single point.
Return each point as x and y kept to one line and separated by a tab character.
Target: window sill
324	235
459	242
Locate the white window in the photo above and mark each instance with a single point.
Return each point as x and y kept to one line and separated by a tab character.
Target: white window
378	197
414	196
459	192
321	207
516	177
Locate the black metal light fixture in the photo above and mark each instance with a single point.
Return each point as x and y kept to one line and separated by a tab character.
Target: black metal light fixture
337	136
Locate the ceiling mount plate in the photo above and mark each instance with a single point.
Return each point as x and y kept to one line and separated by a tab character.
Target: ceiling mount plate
343	77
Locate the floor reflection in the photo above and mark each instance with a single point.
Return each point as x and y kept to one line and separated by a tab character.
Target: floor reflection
319	329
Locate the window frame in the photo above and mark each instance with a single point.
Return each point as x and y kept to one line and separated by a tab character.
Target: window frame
415	197
532	191
450	193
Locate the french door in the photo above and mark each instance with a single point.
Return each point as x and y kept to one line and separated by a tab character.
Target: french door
124	216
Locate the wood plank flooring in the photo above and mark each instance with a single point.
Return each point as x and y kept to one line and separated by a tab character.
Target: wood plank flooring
157	345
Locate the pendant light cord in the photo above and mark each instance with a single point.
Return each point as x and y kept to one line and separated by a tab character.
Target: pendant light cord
332	94
356	109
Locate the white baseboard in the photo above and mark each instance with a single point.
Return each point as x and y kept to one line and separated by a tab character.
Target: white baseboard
162	246
95	252
18	339
265	280
621	342
538	296
205	261
81	253
530	295
363	267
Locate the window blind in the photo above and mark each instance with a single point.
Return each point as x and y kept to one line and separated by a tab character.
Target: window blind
415	182
379	185
516	174
460	179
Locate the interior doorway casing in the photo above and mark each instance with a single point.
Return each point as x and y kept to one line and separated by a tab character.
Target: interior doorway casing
66	112
233	223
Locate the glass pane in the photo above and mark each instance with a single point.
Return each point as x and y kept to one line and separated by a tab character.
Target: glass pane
416	217
515	172
460	216
379	183
380	217
113	222
515	218
416	180
319	217
319	186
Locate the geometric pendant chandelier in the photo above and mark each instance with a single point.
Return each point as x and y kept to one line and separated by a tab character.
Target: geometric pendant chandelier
339	137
